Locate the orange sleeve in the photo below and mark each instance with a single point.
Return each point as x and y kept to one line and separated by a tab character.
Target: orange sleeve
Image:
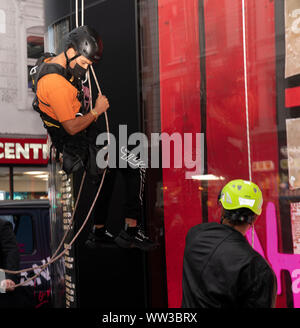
61	96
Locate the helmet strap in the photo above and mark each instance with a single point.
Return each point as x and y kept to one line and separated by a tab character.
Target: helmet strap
70	59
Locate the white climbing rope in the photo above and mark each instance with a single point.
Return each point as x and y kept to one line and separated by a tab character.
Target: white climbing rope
246	89
247	104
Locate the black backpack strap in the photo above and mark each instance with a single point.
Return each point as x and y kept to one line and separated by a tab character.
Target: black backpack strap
42	70
47	120
34	70
48	68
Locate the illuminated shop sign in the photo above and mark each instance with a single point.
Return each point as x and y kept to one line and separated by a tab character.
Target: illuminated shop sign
23	151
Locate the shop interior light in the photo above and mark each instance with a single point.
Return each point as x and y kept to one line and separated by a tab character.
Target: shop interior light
35	172
42	176
207	177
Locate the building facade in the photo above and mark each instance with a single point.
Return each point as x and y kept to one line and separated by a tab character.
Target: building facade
22	136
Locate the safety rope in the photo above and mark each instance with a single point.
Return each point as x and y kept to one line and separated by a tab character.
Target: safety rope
68	246
61	243
93	72
56	257
77	14
247	104
246	89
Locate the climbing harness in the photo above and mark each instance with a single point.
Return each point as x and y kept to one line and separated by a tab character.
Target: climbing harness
56	257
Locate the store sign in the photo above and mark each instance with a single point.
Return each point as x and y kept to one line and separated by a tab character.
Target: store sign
23	151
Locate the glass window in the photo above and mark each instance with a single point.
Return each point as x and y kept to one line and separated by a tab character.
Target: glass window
229	70
9	218
55	36
30	183
24	233
35	46
4	183
23	229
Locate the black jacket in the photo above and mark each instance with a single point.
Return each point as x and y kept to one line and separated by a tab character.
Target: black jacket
9	252
221	270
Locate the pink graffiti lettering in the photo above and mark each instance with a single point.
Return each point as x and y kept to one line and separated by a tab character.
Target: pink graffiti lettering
296	282
42	297
278	261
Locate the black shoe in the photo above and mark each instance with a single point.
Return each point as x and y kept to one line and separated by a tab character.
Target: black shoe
96	239
124	240
136	239
143	242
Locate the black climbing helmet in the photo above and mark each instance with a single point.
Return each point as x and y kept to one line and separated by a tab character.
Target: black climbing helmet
86	42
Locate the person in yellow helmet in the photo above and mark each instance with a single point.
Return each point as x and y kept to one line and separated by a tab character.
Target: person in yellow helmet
220	268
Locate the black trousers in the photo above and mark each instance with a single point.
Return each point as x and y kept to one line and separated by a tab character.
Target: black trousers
134	187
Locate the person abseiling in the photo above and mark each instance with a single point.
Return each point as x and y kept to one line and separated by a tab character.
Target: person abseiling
220	268
57	81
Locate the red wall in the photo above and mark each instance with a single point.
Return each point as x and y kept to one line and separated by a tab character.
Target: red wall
226	137
180	103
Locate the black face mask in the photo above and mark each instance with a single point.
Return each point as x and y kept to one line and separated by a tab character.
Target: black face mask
78	72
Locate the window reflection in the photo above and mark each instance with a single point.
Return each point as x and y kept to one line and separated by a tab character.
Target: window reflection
22	225
228	69
4	183
30	183
35	46
55	36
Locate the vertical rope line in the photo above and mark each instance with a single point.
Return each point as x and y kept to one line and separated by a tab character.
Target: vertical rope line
90	88
247	103
246	88
76	13
82	12
92	69
105	114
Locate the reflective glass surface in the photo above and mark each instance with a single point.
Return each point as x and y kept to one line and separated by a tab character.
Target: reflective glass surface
229	72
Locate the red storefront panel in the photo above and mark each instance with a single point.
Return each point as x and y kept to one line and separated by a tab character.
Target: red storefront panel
180	112
233	56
